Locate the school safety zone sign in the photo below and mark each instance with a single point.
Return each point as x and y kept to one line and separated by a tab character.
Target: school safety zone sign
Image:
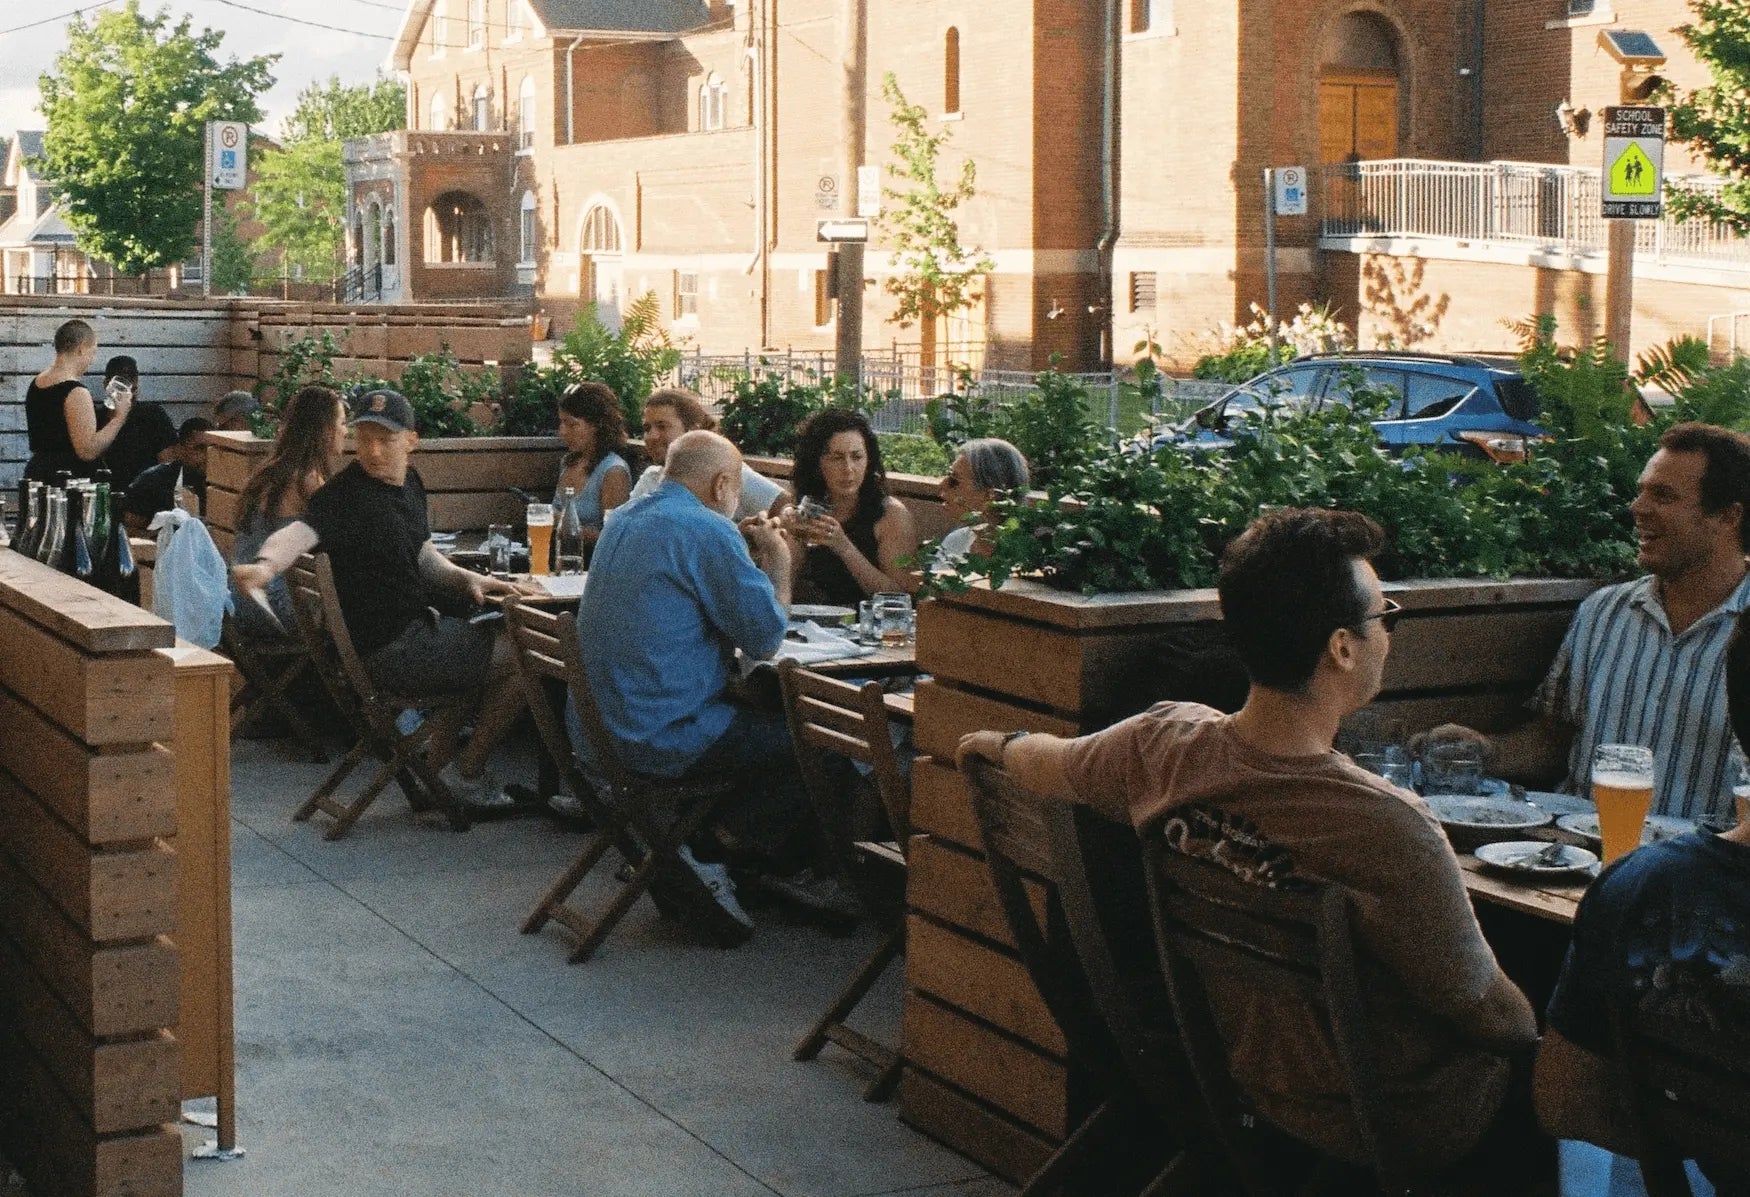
1634	163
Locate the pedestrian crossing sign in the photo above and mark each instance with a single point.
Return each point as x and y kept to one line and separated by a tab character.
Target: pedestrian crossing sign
1634	163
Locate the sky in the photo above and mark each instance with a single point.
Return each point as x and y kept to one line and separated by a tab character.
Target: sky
308	55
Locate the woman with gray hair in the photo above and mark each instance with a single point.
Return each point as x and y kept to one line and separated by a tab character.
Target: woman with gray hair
985	469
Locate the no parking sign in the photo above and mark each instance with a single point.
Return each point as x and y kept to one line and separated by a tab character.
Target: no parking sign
1291	191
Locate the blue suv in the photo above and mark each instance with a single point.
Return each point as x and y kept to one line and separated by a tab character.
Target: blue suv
1477	406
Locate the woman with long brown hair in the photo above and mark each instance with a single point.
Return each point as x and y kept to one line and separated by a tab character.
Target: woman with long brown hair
305	454
594	468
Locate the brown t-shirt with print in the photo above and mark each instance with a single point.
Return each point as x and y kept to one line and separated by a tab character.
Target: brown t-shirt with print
1425	963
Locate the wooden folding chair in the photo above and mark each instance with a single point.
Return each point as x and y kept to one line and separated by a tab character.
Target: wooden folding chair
269	669
1017	833
834	718
372	712
1687	1089
1215	932
625	809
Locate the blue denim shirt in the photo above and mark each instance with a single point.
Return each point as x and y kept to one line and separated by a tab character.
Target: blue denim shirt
672	593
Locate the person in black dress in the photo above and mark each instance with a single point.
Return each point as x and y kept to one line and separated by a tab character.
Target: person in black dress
854	532
61	415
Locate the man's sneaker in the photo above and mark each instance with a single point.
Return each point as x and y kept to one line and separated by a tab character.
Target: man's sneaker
703	897
821	897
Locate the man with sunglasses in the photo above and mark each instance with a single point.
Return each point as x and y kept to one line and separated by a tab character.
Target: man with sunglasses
1263	794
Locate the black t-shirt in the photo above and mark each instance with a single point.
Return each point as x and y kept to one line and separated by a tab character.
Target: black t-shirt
147	433
154	490
373	534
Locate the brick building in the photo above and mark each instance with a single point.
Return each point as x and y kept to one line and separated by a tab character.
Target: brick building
593	150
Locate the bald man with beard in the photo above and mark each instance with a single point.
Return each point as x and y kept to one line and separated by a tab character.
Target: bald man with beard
676	587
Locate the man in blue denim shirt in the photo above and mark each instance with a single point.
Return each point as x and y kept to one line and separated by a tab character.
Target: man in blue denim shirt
675	588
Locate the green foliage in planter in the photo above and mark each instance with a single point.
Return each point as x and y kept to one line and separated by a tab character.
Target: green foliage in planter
631	360
443	394
307	361
763	412
904	453
1052	424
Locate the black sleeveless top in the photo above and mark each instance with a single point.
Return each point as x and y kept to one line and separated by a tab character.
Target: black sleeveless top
825	578
51	444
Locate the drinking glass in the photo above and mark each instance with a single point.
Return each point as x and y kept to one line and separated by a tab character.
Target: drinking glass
893	618
498	550
540	520
1395	769
1622	788
1455	768
866	622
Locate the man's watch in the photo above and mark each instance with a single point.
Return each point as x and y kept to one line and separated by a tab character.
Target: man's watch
1008	738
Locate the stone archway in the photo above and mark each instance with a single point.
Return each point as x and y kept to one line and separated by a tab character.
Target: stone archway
1361	89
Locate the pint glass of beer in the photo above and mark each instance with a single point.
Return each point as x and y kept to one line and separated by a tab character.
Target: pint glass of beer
540	518
1622	786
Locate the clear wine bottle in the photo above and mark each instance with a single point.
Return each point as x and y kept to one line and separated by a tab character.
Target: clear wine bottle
53	533
568	537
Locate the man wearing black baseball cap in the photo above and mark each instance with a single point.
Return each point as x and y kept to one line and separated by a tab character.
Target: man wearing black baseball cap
371	520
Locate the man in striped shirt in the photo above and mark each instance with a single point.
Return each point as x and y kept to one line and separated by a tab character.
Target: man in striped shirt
1644	661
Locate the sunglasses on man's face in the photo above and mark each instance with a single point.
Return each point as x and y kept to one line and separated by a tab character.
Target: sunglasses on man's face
1388	616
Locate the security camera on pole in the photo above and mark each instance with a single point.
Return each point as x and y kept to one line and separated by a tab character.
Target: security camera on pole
227	170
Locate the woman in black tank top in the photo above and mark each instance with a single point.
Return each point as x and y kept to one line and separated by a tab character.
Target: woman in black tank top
61	415
854	547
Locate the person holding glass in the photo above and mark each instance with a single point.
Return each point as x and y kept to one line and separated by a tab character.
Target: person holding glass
305	454
61	415
854	534
594	468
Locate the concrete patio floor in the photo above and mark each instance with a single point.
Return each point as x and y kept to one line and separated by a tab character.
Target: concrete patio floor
396	1035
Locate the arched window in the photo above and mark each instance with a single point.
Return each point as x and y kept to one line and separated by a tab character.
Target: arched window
372	238
457	229
526	231
713	102
525	114
439	117
482	109
951	72
389	235
601	232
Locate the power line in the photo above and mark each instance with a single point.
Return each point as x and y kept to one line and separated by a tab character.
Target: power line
387	37
51	20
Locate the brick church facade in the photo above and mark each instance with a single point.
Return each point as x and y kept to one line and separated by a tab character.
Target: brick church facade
581	151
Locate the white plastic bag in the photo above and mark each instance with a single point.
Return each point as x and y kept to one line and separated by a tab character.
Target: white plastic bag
190	585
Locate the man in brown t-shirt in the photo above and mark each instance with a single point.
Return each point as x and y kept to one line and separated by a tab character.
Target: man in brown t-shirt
1263	793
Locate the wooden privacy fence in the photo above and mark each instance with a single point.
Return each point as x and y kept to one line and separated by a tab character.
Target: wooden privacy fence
192	353
89	970
987	1070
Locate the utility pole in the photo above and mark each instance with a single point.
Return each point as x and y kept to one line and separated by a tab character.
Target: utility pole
853	50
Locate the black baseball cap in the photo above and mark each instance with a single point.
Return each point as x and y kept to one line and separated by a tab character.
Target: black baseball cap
388	408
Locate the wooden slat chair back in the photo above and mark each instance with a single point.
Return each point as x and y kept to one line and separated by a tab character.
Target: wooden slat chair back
624	809
1687	1090
828	718
269	669
1217	932
371	713
1017	835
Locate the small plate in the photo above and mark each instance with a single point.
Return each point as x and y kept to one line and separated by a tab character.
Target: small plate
1523	858
820	612
1486	812
1659	827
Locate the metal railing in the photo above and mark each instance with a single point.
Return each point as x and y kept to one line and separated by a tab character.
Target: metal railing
359	283
1553	207
79	284
904	386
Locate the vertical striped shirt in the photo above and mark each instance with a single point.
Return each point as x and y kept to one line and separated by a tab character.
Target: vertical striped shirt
1621	677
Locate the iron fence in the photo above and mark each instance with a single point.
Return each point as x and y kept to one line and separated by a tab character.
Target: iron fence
1553	207
900	386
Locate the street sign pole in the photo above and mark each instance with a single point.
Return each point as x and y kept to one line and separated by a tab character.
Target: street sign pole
207	216
1632	189
1270	258
848	341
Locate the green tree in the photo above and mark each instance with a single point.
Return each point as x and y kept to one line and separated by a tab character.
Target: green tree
300	188
937	275
233	264
1715	120
126	107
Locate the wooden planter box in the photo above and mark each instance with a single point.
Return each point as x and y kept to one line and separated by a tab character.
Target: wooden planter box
986	1067
465	478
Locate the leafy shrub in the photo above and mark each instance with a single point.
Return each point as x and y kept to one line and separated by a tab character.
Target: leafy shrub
1242	352
631	361
307	361
443	394
763	412
904	453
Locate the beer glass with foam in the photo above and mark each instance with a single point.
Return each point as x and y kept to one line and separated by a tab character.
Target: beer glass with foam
540	519
1622	788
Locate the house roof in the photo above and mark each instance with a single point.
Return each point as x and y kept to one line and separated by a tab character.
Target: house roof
643	20
26	143
27	229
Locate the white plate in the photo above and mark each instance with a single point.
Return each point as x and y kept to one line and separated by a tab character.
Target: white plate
1559	804
1521	858
1659	827
820	611
1485	812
